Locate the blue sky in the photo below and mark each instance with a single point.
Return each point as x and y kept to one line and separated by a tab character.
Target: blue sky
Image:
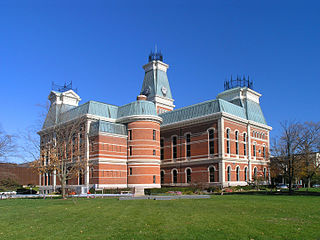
102	45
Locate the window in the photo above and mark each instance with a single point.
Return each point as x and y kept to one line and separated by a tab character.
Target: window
237	142
211	174
188	147
264	151
154	152
80	178
246	174
154	135
245	144
130	151
188	175
238	173
174	147
45	180
254	149
211	141
92	172
229	173
265	174
255	173
49	178
130	134
175	176
228	141
161	149
130	171
154	178
162	177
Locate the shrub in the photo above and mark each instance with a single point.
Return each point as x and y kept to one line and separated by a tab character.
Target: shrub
26	191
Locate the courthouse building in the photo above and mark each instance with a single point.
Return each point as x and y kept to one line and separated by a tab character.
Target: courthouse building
148	143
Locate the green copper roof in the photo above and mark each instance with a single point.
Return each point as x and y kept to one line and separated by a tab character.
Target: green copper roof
156	83
252	111
140	107
109	127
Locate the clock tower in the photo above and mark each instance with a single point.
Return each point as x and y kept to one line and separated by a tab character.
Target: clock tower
156	85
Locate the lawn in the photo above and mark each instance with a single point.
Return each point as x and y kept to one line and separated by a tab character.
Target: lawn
221	217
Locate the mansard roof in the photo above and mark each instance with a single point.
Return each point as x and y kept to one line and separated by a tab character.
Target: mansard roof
248	110
60	113
107	127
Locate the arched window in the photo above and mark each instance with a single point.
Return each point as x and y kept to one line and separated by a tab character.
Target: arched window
211	174
246	174
244	144
211	141
188	172
174	147
265	174
255	172
188	146
175	176
238	173
229	173
162	177
237	142
228	141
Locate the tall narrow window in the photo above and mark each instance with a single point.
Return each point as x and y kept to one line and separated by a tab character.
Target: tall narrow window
154	152
130	151
46	179
188	175
130	171
154	178
211	174
245	144
229	173
246	174
174	147
162	177
254	149
228	141
265	174
255	173
237	142
130	134
238	173
154	136
161	149
211	141
175	176
264	151
188	146
49	178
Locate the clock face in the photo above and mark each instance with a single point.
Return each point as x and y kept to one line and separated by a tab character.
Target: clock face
164	91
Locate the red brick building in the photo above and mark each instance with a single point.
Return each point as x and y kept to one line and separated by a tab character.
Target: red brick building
147	143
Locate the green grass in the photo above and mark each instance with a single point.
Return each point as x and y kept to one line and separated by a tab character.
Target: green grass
221	217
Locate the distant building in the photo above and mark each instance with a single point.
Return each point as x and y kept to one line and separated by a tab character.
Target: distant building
20	173
147	143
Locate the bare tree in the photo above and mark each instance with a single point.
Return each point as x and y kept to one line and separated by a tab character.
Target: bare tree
6	145
62	152
310	164
294	152
284	151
